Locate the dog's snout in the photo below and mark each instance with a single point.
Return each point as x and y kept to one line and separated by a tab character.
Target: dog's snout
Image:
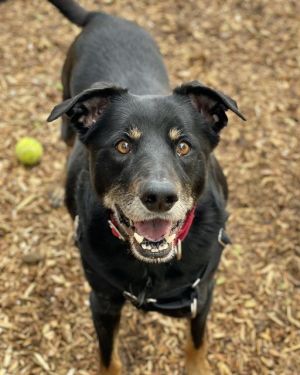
159	196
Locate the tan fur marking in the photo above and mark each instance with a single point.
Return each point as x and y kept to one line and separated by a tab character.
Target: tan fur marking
135	133
174	134
196	359
115	367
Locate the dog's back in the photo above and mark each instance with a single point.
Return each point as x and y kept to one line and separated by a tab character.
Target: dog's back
116	50
112	49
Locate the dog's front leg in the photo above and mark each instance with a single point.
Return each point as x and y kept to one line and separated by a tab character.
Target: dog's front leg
106	319
196	352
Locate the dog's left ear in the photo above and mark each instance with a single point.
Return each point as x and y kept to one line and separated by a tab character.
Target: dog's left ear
212	104
88	106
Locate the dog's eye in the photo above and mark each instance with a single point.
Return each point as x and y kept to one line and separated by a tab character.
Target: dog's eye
183	148
123	147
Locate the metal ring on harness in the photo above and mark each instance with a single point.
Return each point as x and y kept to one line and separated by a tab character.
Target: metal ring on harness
220	237
179	250
196	282
131	297
194	308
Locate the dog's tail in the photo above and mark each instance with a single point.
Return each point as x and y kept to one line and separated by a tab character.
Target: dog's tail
73	11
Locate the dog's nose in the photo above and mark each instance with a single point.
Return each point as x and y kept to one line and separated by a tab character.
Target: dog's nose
159	196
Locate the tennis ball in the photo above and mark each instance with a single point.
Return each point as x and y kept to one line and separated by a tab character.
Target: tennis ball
29	151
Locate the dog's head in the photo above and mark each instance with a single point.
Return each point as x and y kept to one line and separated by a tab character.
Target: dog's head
149	156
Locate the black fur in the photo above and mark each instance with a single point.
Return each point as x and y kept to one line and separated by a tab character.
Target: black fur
113	50
73	11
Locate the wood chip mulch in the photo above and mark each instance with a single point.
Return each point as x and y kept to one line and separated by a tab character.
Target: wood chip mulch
249	49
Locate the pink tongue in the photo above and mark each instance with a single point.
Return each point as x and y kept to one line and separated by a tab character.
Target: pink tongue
153	230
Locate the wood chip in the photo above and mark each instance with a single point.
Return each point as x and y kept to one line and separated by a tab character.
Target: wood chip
247	49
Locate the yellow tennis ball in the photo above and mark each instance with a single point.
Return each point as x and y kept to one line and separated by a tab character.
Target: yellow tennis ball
29	151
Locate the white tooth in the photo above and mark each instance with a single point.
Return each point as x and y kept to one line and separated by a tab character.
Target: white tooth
146	247
154	250
139	238
163	246
171	238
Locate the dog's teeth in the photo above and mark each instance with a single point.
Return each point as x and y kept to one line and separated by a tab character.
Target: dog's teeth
146	247
171	238
139	238
155	249
163	246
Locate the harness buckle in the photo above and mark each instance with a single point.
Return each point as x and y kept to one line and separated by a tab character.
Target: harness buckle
151	300
130	297
134	299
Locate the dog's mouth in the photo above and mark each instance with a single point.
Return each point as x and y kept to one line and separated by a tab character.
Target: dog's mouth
152	241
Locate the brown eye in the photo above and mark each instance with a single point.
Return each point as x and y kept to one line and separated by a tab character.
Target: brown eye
123	147
183	148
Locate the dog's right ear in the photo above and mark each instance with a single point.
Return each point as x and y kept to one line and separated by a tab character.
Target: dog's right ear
210	103
87	107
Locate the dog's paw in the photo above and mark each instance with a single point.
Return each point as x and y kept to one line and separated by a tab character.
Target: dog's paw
56	197
114	369
198	368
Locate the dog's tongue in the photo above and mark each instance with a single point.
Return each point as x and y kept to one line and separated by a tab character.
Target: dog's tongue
153	230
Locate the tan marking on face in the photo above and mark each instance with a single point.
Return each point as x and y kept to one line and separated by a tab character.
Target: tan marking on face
135	133
174	134
196	361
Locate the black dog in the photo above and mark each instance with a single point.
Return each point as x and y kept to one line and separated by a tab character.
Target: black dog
142	181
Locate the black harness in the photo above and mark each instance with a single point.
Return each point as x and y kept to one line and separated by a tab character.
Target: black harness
185	300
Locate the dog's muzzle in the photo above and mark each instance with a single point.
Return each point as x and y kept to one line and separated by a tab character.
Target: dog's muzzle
152	241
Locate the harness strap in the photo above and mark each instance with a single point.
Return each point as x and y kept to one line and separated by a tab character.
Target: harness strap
187	299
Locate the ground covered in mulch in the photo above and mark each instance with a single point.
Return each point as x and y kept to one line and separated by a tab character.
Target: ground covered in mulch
249	49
